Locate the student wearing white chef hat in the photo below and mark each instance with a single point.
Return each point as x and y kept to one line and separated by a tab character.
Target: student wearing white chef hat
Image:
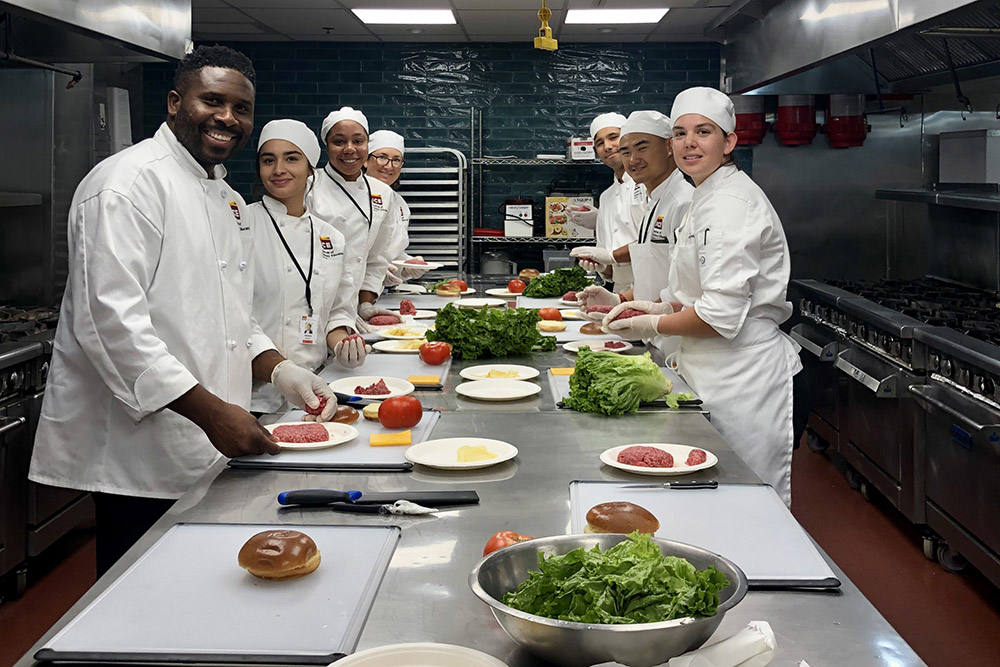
307	311
356	204
385	162
728	277
616	220
645	149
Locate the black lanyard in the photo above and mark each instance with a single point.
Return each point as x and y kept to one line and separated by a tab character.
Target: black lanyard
371	211
307	277
648	225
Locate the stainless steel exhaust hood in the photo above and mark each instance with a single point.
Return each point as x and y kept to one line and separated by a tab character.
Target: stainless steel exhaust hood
99	30
828	46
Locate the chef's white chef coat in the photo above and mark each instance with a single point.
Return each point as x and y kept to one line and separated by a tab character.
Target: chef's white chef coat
732	265
347	208
619	213
400	240
158	300
279	297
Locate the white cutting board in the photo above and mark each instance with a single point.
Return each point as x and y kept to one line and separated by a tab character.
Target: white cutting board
187	595
420	302
545	302
356	451
746	523
560	384
387	365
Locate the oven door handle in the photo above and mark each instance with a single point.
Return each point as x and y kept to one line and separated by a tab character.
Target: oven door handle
921	394
884	388
824	352
7	424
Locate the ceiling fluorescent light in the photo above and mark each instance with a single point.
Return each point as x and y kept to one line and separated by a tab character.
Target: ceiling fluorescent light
604	16
405	16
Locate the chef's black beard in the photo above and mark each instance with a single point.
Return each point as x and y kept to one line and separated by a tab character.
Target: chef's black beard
189	134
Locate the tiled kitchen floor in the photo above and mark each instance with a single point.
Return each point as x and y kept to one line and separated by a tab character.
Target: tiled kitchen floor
948	619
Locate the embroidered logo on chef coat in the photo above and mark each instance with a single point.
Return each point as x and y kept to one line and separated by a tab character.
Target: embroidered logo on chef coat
657	232
377	202
638	194
235	208
327	246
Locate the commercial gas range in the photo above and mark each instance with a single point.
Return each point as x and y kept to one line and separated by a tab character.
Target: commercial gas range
932	348
32	516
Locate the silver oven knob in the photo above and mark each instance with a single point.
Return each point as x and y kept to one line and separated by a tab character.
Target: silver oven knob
965	377
946	367
935	362
43	371
16	380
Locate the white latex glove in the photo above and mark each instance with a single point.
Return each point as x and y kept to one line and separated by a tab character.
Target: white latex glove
595	296
351	351
640	327
413	272
361	326
593	267
593	254
393	276
366	311
651	307
585	216
303	388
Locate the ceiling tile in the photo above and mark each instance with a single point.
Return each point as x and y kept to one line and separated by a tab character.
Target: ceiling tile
281	4
247	28
533	5
218	15
686	20
310	21
506	21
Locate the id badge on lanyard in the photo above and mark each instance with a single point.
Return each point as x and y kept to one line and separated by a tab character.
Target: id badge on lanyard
307	330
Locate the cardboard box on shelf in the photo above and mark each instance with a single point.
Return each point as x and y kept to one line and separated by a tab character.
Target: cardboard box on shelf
557	222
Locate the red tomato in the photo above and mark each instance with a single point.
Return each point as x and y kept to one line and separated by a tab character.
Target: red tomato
504	538
435	352
516	286
462	285
400	412
550	314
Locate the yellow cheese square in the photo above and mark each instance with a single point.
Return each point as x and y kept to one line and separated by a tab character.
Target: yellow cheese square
562	371
424	379
389	439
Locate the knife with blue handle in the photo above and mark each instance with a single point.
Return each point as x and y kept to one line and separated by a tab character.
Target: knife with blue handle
317	497
686	484
320	497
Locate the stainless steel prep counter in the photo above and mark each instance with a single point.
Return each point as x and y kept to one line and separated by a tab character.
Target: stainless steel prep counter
425	594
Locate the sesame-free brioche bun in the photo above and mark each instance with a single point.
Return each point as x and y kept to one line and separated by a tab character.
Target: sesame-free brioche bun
279	554
620	517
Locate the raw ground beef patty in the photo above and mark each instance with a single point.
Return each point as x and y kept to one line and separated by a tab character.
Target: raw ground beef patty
647	457
302	433
406	307
696	457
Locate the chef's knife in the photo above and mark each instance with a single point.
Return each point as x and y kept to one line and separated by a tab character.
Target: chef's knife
687	484
317	497
314	497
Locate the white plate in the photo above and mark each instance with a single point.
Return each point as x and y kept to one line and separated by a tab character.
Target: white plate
396	386
566	302
502	291
572	314
420	314
411	289
395	346
429	266
417	332
339	434
443	452
419	655
595	345
479	372
479	303
679	452
500	389
471	290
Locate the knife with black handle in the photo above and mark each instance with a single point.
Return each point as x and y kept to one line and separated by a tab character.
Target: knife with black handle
318	497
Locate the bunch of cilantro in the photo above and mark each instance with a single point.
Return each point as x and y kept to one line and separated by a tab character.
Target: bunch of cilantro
558	283
614	384
632	582
489	332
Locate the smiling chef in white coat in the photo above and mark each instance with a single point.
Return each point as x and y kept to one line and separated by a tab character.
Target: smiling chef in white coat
356	204
303	298
729	277
156	344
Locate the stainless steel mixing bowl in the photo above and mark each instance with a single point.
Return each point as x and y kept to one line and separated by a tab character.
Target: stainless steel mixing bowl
581	644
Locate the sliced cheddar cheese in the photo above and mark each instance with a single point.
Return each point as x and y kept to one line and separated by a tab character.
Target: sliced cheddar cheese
424	379
390	439
562	371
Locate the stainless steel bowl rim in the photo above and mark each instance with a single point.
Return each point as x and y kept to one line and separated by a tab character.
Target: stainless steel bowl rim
734	599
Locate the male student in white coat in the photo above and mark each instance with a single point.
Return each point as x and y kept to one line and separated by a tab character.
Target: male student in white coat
156	345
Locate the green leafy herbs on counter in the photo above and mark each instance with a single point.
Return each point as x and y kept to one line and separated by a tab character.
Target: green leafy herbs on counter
632	582
558	283
614	384
490	332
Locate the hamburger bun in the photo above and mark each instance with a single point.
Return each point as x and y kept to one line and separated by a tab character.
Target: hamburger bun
345	414
279	554
551	326
620	517
591	328
448	290
370	411
528	275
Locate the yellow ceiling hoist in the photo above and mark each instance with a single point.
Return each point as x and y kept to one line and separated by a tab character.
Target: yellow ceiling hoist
544	40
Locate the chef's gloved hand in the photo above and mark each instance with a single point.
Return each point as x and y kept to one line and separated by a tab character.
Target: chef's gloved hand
303	388
584	215
593	255
651	307
413	272
640	327
366	311
351	351
393	276
595	296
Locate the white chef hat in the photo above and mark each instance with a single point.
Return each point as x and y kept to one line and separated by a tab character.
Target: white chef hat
648	122
293	131
611	119
713	104
343	113
385	139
